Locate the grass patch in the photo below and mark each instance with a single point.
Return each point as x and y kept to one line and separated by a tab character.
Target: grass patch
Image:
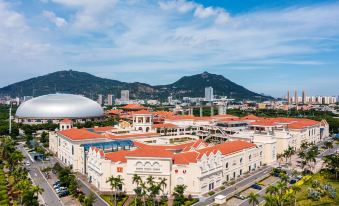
325	200
121	199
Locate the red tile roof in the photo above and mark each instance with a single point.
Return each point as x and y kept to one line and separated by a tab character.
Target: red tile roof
66	121
119	156
114	111
80	134
133	107
142	112
150	152
103	129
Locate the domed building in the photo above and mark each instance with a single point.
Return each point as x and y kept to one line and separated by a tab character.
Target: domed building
53	108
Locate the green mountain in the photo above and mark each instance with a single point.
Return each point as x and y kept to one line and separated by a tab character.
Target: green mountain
89	85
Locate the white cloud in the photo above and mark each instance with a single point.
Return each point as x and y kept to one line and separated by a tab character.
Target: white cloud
179	5
58	21
200	11
142	36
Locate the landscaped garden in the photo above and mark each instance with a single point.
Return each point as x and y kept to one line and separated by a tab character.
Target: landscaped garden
318	190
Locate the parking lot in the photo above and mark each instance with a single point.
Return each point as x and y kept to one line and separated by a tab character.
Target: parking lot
234	201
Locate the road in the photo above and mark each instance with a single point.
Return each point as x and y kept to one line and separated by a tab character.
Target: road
232	188
87	191
48	195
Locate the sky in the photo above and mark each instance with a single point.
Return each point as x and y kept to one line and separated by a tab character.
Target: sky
266	46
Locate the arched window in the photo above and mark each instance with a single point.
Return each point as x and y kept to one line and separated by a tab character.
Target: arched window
140	128
156	166
148	166
241	160
180	180
226	165
147	129
138	165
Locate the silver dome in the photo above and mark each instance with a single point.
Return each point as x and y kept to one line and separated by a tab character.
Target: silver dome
58	106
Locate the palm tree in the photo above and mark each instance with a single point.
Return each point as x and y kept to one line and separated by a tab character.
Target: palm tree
154	191
304	146
328	145
270	200
253	198
37	190
116	183
279	157
14	159
295	189
163	184
136	179
150	180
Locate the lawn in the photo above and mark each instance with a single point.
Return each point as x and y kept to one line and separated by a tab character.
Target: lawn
302	195
110	199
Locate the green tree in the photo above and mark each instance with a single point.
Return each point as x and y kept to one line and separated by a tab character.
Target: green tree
253	198
116	184
179	198
90	199
332	163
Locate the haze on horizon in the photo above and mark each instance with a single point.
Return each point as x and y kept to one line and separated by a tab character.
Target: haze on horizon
267	47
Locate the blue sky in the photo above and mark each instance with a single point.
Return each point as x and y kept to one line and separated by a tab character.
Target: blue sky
267	46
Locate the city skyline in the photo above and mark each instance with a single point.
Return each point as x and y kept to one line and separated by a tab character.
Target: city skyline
177	38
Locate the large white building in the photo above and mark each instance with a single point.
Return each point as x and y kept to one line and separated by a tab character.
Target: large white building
175	148
55	107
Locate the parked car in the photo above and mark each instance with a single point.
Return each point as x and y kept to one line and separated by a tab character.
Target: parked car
240	196
299	177
27	163
63	193
256	186
293	181
60	189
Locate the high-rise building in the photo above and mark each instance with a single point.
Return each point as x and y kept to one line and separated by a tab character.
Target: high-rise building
288	97
100	100
110	99
303	97
296	97
124	95
209	94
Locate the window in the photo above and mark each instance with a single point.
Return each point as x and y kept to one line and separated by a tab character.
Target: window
148	166
180	180
226	165
139	165
72	150
156	166
241	160
250	157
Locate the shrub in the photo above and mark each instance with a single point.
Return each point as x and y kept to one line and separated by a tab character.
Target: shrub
313	194
222	187
210	193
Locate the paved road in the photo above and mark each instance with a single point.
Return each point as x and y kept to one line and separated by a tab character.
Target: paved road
232	188
83	187
87	191
49	196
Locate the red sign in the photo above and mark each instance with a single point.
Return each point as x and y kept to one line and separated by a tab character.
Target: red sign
120	169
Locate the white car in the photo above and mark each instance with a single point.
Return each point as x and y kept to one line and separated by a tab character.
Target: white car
27	164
